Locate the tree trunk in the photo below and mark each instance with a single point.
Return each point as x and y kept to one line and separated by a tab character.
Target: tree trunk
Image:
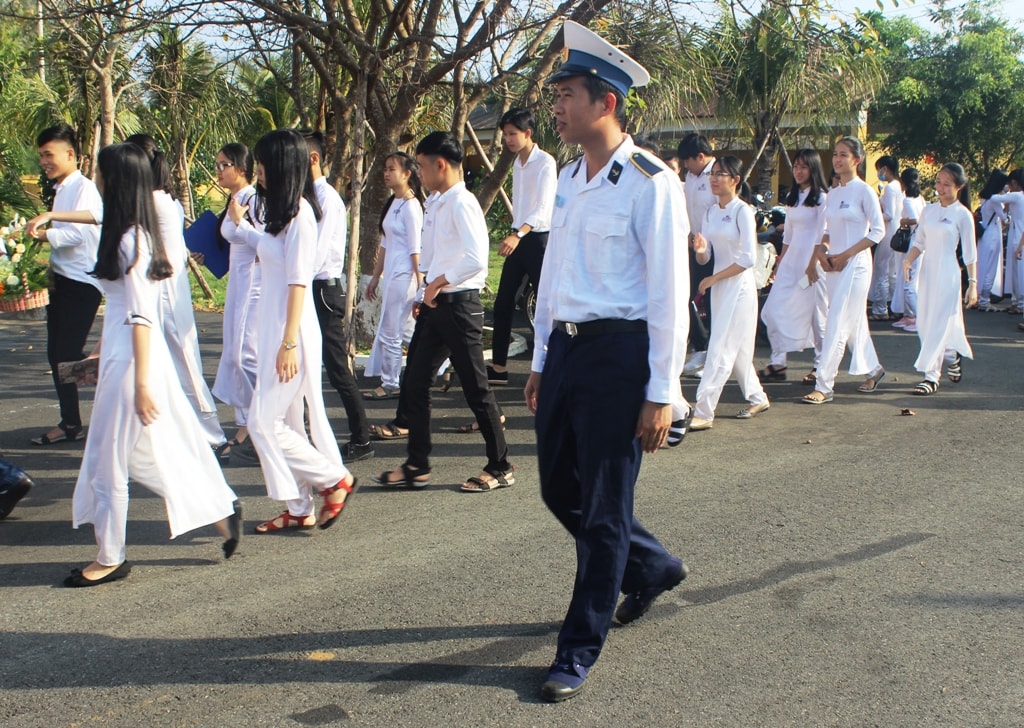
107	108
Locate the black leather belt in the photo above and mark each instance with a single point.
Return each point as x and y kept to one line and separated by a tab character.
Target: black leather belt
602	326
457	296
335	282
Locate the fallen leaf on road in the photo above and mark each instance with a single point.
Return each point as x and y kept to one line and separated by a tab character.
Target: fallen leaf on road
907	412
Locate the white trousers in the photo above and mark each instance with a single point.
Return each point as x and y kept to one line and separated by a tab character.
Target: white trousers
883	278
395	327
847	324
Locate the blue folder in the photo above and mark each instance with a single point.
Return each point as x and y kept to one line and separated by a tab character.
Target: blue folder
201	237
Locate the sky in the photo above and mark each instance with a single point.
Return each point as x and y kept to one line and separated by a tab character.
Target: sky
1012	10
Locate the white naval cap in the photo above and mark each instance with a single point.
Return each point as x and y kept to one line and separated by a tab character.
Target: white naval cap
592	55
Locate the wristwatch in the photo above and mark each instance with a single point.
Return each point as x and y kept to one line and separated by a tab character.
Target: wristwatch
520	234
288	345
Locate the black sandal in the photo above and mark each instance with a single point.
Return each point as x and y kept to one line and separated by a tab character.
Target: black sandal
388	431
955	370
71	434
500	479
410	477
926	387
772	373
811	379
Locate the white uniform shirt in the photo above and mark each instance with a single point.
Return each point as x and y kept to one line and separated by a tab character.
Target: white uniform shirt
74	245
891	202
699	197
332	232
533	190
853	214
732	232
403	228
455	236
617	250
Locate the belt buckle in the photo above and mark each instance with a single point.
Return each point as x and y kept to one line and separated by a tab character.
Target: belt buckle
570	328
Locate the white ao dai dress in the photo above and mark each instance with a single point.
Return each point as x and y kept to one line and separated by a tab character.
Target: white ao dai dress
170	457
403	226
236	373
852	214
293	467
990	252
1013	281
940	316
178	319
732	233
794	314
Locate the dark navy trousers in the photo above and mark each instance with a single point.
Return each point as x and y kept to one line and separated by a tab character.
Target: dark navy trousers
591	392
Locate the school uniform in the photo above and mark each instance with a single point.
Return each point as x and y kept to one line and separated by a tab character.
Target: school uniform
455	245
732	233
852	213
699	199
795	313
1013	281
236	372
403	226
940	316
74	294
294	465
177	318
883	281
990	253
329	299
171	456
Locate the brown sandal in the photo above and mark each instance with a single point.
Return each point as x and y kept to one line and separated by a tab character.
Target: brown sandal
388	431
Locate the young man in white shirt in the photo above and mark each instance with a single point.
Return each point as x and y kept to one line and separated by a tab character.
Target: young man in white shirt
883	274
450	320
611	332
329	299
74	295
534	177
697	157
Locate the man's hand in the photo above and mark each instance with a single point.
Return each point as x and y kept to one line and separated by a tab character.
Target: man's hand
531	391
653	425
508	245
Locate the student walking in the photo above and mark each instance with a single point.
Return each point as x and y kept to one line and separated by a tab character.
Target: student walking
730	229
396	273
940	318
143	428
288	374
796	309
884	271
534	176
913	206
1013	274
855	224
990	246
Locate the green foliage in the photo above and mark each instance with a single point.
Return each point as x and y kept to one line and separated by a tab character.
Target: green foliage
958	92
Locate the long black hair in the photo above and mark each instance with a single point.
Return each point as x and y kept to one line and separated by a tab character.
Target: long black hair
285	159
411	166
910	178
960	180
241	159
157	160
127	179
996	182
812	159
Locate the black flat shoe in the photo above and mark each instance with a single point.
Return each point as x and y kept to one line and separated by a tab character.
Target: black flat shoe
235	530
14	484
77	578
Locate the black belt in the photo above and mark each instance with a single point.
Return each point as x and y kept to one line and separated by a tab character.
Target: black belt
336	282
457	296
602	326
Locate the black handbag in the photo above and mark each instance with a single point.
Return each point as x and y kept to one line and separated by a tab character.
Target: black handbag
901	240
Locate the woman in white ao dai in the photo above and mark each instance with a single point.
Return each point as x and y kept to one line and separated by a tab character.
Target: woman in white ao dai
730	228
795	311
940	318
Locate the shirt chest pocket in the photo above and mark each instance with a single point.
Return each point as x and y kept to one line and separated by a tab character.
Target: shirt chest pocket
605	245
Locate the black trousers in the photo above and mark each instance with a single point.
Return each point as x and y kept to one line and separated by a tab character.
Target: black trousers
330	311
450	330
525	260
698	273
69	318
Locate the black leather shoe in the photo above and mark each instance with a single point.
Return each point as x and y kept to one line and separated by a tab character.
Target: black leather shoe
635	605
14	484
352	452
77	578
234	531
565	679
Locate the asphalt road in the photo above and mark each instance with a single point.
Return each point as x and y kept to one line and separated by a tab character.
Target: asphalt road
849	567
